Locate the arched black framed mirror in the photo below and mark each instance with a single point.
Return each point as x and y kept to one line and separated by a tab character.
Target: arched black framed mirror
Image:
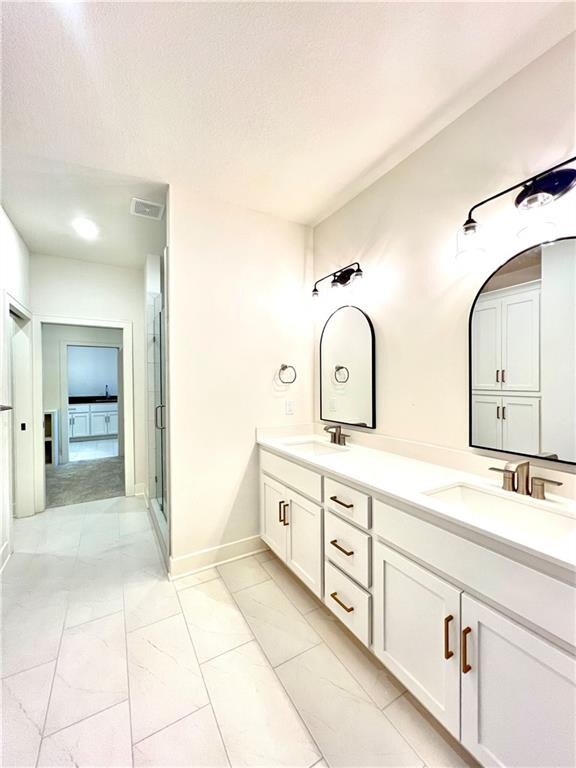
522	355
348	369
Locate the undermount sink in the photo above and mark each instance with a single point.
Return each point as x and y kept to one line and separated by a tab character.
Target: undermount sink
511	511
316	448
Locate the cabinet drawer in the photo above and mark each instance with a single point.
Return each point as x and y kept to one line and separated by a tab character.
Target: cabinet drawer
347	502
355	559
304	480
546	602
104	408
349	602
78	409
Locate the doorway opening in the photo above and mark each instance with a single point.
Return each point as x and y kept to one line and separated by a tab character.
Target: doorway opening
84	413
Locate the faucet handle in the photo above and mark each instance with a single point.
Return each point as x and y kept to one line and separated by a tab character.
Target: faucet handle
508	477
538	487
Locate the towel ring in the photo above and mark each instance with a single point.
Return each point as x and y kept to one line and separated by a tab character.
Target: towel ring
283	368
338	371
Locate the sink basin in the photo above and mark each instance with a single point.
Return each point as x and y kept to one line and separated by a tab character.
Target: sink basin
315	448
517	516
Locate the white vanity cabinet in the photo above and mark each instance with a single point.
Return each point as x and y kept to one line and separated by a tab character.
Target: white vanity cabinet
417	632
484	640
518	693
291	525
79	420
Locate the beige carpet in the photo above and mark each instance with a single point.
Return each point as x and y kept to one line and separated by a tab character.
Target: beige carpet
80	481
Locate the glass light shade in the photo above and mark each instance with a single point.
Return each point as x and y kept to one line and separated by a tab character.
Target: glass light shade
335	283
357	274
537	200
470	239
535	226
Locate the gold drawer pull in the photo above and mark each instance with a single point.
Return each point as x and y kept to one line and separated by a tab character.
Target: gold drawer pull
336	500
447	652
280	511
347	552
465	666
347	608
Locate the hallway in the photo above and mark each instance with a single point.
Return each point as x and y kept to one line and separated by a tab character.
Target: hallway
107	663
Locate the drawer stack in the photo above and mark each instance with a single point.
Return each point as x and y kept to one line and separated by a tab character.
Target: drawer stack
348	556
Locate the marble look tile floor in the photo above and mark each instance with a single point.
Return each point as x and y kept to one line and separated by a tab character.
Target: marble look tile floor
107	663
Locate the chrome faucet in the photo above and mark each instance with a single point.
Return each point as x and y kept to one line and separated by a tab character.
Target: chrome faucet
336	435
516	477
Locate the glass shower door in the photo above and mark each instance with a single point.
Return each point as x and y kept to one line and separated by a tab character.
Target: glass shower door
159	347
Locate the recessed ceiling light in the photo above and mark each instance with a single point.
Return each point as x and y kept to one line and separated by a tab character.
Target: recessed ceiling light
85	228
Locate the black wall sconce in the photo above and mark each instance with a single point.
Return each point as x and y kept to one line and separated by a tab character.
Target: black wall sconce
537	191
341	277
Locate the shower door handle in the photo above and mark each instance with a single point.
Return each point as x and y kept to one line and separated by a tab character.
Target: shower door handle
159	422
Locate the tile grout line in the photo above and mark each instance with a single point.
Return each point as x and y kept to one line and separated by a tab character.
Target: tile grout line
169	725
83	719
204	681
127	669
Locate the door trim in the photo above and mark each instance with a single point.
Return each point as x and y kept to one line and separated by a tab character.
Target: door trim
128	397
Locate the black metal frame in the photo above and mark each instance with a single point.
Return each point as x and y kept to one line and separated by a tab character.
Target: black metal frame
470	441
529	180
342	276
372	378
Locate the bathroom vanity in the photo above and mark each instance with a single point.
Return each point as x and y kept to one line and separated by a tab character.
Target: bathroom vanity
465	592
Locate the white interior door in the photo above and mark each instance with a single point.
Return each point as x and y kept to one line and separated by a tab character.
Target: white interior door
521	341
486	346
22	416
416	632
273	504
305	545
486	420
521	424
519	695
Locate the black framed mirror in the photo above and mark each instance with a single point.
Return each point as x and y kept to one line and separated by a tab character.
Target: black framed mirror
522	355
348	369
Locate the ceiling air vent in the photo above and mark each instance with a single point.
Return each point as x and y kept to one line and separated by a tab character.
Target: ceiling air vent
146	208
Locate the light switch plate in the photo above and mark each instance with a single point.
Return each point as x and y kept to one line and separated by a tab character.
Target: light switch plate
289	407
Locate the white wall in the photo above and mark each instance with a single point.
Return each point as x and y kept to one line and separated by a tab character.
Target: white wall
403	231
558	358
85	290
92	371
14	262
237	279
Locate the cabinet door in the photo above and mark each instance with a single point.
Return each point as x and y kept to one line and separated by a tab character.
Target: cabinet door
521	424
486	344
305	545
521	342
273	505
80	425
416	632
487	421
98	424
112	423
519	696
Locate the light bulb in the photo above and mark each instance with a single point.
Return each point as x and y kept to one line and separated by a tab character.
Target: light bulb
85	228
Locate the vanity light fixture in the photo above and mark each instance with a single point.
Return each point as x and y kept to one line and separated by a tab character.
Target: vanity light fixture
537	191
341	277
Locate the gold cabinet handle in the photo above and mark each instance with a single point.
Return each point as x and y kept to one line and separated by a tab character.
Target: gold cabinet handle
347	608
503	376
280	511
497	376
465	666
497	411
284	520
504	412
336	500
347	552
447	652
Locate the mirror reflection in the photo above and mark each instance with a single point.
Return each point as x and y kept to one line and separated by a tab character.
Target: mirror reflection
347	369
523	355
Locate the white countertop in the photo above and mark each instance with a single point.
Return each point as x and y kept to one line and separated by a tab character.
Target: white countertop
543	529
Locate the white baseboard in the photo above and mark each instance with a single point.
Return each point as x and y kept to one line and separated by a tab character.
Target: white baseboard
139	489
206	558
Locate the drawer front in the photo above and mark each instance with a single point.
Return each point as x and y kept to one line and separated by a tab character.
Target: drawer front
304	480
542	600
104	407
78	409
348	547
349	602
347	502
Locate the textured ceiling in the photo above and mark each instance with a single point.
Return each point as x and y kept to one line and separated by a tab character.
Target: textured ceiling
289	108
42	199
